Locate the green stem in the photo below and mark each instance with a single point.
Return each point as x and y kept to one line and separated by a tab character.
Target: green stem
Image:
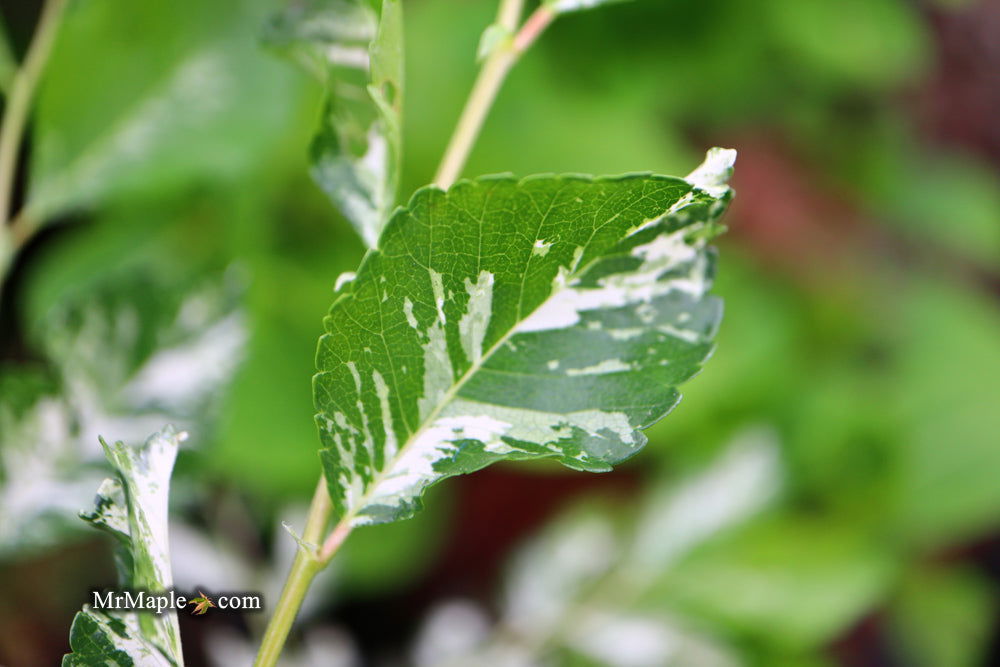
484	90
509	14
308	562
22	90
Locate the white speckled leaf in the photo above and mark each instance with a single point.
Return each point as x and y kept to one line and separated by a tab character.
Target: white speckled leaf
551	317
132	507
357	54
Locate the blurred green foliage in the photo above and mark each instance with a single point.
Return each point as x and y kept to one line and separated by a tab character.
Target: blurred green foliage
173	150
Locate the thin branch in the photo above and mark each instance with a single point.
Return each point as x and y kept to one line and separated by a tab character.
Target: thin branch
305	567
484	92
22	91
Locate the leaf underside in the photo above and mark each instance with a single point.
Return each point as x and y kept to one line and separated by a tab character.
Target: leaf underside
551	317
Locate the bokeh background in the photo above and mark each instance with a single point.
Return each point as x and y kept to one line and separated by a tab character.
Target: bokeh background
851	414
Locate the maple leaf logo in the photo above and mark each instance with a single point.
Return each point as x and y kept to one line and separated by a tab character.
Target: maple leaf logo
201	603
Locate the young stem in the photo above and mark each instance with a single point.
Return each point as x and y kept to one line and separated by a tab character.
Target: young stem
308	562
22	90
509	14
484	91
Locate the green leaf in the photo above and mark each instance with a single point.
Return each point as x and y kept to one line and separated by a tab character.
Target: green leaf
889	40
144	99
943	616
789	581
946	404
132	507
550	317
357	54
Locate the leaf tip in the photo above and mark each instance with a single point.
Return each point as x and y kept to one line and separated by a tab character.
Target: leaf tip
712	175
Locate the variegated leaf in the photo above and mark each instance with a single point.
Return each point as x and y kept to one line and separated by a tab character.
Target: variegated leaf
551	317
587	583
357	55
132	507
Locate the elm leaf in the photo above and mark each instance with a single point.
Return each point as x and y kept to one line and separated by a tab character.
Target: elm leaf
551	317
132	507
357	55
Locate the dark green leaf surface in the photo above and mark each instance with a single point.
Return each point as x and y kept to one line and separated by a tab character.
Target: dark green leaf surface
551	317
357	54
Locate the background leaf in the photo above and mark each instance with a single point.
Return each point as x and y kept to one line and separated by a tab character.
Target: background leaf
178	106
357	55
583	583
551	317
148	342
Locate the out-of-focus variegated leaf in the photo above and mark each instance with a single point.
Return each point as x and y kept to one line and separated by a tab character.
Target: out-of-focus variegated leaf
551	317
132	507
676	518
125	356
356	53
184	99
579	586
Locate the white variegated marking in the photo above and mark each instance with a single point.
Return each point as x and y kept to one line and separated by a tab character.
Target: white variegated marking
627	333
438	287
541	248
677	206
713	174
472	326
641	285
438	377
606	366
684	334
408	311
382	391
359	185
147	471
348	56
564	6
343	279
543	428
463	419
